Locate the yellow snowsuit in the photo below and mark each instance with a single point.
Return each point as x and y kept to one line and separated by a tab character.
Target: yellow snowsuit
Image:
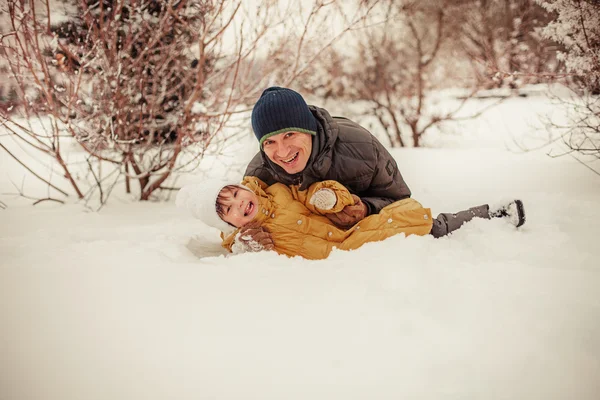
300	229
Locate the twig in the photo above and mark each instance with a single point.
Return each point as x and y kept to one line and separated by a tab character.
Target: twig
98	183
21	193
33	173
48	199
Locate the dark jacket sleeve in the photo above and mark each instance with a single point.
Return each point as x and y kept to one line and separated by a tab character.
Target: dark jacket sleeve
387	185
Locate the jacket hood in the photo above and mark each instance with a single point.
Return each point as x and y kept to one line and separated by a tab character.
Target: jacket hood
320	157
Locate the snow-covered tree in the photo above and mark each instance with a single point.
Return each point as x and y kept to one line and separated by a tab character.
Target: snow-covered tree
577	28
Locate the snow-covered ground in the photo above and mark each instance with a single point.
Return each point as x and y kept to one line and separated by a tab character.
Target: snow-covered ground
112	305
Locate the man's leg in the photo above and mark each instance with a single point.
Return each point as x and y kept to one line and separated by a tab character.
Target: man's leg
446	222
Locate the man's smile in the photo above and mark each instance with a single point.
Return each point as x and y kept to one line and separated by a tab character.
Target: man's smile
291	159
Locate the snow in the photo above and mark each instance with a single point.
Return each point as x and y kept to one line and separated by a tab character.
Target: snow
199	108
113	305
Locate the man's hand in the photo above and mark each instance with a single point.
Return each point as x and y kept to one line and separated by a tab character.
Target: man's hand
252	238
350	215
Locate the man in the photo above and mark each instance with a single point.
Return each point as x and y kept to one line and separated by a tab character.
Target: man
302	144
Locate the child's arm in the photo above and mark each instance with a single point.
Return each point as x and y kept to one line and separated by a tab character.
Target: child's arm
228	240
324	197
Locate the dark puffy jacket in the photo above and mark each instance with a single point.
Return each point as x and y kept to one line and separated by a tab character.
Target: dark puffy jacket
346	152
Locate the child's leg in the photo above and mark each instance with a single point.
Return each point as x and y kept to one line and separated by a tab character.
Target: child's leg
446	222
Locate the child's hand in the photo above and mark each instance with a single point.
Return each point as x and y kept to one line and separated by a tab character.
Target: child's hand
324	199
252	238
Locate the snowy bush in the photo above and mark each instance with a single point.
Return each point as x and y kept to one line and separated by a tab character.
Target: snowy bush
137	84
577	28
148	87
140	80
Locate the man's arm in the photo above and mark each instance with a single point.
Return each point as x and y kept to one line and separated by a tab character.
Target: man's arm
387	185
350	215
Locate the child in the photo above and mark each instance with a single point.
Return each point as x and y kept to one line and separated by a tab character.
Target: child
296	219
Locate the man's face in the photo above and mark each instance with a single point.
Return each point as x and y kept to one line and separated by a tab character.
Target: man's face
289	150
239	206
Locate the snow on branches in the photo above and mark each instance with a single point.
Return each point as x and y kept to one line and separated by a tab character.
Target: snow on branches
137	84
577	28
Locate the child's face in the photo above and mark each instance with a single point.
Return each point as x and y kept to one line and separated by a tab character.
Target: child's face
239	206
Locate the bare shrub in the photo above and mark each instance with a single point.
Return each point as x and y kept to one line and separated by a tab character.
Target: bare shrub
502	40
582	133
147	87
396	69
136	83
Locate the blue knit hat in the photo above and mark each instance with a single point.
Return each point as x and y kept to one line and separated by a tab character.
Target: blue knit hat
281	110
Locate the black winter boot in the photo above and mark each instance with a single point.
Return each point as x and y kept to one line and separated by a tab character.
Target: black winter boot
513	210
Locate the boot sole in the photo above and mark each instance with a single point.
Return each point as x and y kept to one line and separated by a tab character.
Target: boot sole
521	212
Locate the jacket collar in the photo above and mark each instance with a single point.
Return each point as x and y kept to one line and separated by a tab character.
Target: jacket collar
266	207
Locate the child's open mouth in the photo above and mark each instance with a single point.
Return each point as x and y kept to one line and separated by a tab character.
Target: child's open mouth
249	208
